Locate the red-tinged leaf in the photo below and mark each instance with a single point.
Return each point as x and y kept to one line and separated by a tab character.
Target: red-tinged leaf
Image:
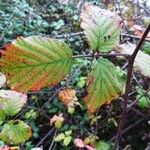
35	62
88	147
106	85
15	132
79	143
101	27
67	97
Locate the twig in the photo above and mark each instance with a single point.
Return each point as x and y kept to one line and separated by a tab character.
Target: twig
127	89
102	54
134	37
69	35
41	110
138	99
137	111
56	92
52	141
140	86
129	128
82	34
45	137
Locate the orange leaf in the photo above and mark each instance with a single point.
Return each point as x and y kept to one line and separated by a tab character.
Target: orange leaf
35	62
67	97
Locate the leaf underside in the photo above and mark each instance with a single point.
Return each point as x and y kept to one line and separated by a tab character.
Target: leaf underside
35	62
142	60
101	27
103	85
15	132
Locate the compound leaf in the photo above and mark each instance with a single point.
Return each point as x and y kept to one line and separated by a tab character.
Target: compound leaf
103	85
11	102
35	62
101	27
15	132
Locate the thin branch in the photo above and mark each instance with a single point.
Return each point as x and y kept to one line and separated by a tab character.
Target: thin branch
42	110
127	89
102	54
53	140
134	37
56	92
45	137
82	34
145	93
69	35
129	128
138	112
140	86
140	43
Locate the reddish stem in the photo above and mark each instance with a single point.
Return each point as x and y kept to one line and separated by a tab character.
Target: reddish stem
127	89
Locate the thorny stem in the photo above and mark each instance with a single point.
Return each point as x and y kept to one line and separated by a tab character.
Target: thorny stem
127	88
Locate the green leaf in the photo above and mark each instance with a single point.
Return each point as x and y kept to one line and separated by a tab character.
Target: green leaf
58	124
146	48
103	146
81	82
103	85
35	62
15	132
11	102
67	140
69	132
70	110
143	102
2	116
59	137
101	27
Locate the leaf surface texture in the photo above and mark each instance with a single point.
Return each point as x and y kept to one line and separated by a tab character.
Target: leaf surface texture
103	85
34	62
101	27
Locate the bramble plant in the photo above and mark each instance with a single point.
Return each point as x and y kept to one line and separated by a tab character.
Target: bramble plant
35	62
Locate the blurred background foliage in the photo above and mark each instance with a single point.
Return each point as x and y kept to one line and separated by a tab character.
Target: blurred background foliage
56	18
